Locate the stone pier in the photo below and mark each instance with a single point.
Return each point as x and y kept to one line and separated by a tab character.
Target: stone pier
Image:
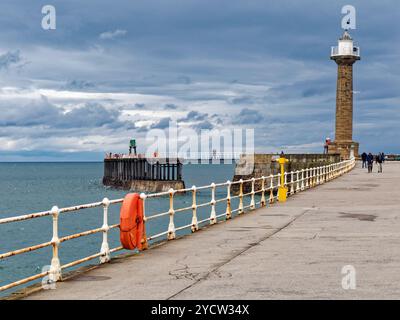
291	250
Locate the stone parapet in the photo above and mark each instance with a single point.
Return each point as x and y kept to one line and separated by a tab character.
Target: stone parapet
263	165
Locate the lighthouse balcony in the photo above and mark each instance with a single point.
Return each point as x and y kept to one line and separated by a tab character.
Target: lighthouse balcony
340	51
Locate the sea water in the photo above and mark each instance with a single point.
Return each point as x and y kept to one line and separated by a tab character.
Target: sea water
34	187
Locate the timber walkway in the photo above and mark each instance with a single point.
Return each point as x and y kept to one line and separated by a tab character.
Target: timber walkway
292	250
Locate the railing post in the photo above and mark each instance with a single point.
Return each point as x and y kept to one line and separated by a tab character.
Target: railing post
195	225
318	175
314	176
308	179
252	201
213	216
271	189
145	245
278	185
291	182
302	179
297	181
55	268
105	248
314	170
240	208
228	201
171	226
262	201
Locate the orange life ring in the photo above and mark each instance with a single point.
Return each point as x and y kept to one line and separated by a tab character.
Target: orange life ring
131	222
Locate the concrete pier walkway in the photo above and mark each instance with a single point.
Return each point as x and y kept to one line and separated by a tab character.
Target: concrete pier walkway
292	250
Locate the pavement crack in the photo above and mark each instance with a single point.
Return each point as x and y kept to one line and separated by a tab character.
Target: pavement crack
238	253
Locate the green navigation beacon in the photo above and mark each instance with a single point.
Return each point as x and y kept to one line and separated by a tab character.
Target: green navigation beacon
132	145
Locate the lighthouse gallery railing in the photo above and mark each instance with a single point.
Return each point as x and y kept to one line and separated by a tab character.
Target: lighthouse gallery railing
295	181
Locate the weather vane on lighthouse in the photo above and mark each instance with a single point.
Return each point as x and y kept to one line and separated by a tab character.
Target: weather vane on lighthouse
345	54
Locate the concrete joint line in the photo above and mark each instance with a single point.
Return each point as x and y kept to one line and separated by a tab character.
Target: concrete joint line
241	252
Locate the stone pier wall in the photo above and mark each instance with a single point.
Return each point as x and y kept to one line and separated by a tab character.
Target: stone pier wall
144	185
265	166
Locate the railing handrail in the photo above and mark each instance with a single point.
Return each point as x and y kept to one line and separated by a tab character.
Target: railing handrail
299	180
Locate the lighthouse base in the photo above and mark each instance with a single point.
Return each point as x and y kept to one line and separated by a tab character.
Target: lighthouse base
346	149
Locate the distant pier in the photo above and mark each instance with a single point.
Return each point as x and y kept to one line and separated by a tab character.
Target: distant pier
138	173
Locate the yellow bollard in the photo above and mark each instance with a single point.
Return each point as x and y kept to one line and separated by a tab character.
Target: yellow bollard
282	190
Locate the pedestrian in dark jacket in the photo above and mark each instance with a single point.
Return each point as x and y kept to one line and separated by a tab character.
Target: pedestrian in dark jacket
370	161
364	160
379	161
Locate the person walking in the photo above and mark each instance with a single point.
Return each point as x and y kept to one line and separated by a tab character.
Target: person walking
370	162
364	160
383	157
379	161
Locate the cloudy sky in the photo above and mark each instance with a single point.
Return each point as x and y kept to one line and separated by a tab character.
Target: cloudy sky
112	70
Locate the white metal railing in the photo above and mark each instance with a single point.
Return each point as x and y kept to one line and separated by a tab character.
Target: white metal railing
294	181
335	52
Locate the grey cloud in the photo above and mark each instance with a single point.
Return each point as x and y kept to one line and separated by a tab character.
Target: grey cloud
217	118
185	79
161	124
79	85
243	100
43	113
32	113
204	125
194	116
139	106
91	115
9	58
248	116
170	106
112	34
